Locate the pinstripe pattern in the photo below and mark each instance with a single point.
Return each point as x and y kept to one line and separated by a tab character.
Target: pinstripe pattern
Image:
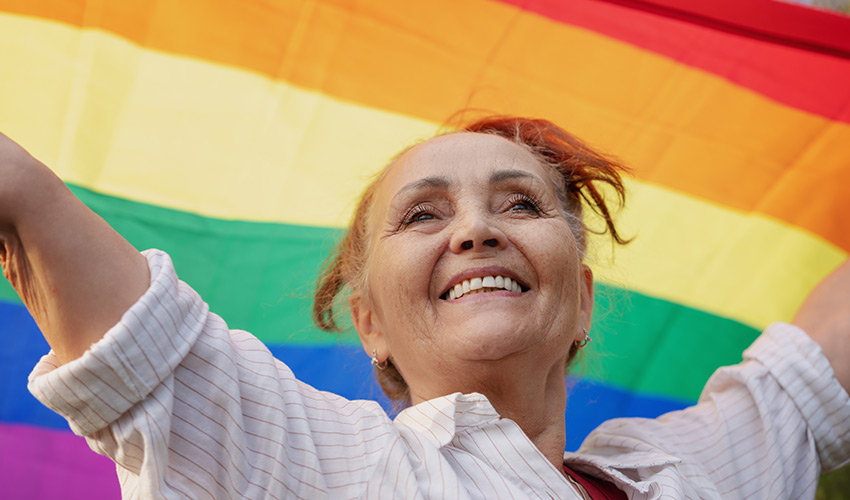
190	409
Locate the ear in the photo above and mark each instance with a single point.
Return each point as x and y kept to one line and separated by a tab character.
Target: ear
586	306
368	328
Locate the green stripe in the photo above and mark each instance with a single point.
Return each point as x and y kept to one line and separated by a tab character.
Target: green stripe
7	293
653	346
260	277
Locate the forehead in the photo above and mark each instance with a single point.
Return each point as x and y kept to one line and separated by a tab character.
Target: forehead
461	158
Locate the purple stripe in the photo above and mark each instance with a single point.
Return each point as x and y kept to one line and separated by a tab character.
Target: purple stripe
44	463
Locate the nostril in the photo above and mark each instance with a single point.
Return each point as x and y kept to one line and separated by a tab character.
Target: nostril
492	242
466	245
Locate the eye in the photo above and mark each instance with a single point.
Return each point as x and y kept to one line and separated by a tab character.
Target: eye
522	202
419	213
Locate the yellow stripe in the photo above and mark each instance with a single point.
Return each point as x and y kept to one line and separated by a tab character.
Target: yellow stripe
749	268
186	134
69	82
231	144
679	127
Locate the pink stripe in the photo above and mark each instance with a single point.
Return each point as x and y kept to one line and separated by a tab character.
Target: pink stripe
38	463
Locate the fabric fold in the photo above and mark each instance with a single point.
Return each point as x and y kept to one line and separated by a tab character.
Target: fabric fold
90	402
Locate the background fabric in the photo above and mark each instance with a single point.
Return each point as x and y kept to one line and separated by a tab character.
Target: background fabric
237	134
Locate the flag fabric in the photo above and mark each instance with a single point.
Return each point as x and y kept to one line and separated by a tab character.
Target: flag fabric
237	134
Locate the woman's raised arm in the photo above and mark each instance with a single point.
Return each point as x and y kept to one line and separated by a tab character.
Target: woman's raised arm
74	273
825	316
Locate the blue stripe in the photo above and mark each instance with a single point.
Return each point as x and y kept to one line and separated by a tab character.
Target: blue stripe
20	350
590	403
343	369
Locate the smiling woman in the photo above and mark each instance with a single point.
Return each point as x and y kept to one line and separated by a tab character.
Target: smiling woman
464	274
490	197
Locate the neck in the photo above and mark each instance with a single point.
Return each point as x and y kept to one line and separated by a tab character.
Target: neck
535	401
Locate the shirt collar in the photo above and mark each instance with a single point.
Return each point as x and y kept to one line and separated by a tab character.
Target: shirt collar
439	419
629	470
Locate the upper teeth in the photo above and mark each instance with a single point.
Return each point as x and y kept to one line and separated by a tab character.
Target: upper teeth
484	284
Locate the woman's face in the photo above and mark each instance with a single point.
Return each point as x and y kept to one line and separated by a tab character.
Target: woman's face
456	220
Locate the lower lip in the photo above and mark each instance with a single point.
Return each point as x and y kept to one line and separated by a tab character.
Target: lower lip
486	295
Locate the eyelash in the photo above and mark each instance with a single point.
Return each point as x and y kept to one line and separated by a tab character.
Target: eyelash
526	198
411	216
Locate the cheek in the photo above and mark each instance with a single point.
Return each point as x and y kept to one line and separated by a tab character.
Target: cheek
559	264
400	279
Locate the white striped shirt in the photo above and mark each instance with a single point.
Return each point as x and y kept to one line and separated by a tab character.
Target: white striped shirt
190	409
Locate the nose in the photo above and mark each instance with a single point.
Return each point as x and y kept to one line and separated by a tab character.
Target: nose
477	233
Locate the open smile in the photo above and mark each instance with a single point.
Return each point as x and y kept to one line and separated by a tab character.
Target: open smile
483	284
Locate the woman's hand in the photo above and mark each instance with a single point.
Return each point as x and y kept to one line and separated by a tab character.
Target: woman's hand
75	274
825	316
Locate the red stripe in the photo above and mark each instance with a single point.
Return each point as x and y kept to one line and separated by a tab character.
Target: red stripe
774	20
762	58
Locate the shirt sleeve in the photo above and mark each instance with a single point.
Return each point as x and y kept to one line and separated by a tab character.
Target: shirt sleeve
190	409
765	428
806	377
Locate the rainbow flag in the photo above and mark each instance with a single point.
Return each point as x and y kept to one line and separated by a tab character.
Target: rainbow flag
237	134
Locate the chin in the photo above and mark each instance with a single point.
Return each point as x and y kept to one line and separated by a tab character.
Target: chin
493	344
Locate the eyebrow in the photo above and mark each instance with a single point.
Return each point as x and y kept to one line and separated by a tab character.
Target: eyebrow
503	175
444	182
427	182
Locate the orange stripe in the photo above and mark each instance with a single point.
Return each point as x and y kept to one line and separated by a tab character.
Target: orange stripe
220	35
730	146
249	35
